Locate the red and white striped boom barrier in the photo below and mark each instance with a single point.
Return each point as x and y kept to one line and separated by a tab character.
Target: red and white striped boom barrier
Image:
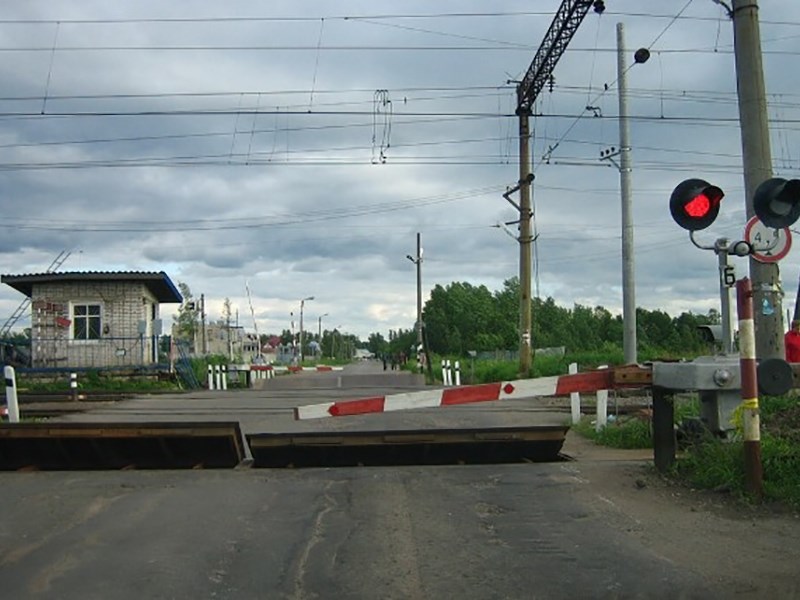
630	376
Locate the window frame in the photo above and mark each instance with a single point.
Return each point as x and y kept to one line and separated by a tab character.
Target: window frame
86	317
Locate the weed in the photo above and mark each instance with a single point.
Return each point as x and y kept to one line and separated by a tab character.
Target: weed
628	434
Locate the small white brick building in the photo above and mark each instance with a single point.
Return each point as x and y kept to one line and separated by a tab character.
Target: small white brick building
95	319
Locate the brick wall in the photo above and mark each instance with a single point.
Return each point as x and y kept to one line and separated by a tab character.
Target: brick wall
122	307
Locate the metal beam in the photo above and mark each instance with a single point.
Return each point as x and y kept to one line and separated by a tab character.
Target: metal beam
566	22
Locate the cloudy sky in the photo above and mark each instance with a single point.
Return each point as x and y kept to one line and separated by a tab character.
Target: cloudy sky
297	148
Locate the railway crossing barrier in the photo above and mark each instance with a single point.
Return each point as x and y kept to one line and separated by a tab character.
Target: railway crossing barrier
716	379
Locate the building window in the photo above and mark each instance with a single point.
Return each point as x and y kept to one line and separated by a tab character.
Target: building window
86	322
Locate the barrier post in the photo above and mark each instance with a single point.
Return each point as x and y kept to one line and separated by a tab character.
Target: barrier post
602	406
575	398
73	385
12	403
224	376
210	377
458	373
753	470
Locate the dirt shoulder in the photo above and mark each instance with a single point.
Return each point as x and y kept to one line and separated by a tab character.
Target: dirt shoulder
746	551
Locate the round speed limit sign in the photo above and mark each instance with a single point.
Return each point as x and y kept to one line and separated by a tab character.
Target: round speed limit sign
769	245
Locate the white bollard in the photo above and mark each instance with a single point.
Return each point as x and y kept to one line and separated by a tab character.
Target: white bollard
73	385
210	377
444	372
458	373
11	394
449	373
575	398
602	406
217	377
224	376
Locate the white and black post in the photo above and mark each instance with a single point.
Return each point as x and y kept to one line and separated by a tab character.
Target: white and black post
11	394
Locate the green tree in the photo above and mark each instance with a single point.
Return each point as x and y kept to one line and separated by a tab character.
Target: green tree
507	315
377	344
188	320
585	330
461	317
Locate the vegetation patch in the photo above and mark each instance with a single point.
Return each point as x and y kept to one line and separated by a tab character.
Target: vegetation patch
628	433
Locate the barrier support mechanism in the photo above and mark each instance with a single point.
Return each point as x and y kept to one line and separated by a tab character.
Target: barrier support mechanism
664	442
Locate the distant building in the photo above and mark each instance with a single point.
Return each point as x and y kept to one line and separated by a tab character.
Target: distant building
231	341
96	318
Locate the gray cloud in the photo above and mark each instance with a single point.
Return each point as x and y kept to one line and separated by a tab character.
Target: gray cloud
290	200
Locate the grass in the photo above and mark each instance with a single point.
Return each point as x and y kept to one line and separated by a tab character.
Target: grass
627	434
715	464
93	381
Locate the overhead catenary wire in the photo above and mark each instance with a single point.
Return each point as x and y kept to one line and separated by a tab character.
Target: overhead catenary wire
357	17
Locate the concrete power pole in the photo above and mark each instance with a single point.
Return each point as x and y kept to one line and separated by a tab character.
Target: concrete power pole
418	262
757	163
203	344
568	17
628	273
525	238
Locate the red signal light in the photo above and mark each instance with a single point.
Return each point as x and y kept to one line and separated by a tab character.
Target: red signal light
698	206
694	204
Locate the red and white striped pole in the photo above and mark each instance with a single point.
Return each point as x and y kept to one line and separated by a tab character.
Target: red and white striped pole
754	479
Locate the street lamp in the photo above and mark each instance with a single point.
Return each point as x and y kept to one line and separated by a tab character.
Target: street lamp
302	304
319	333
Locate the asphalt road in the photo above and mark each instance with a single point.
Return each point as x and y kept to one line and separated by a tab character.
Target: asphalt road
514	531
544	530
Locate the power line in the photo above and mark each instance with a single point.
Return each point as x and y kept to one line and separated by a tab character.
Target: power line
388	16
243	223
351	48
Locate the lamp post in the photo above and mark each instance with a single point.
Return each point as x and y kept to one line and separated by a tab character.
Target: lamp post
302	304
319	332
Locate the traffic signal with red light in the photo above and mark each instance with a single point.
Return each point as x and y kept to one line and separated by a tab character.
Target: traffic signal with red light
694	204
777	202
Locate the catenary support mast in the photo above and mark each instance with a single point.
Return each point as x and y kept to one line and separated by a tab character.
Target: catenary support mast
565	23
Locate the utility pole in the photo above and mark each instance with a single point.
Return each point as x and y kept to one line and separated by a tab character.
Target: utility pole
203	323
302	304
757	163
565	23
525	238
319	332
418	262
628	272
